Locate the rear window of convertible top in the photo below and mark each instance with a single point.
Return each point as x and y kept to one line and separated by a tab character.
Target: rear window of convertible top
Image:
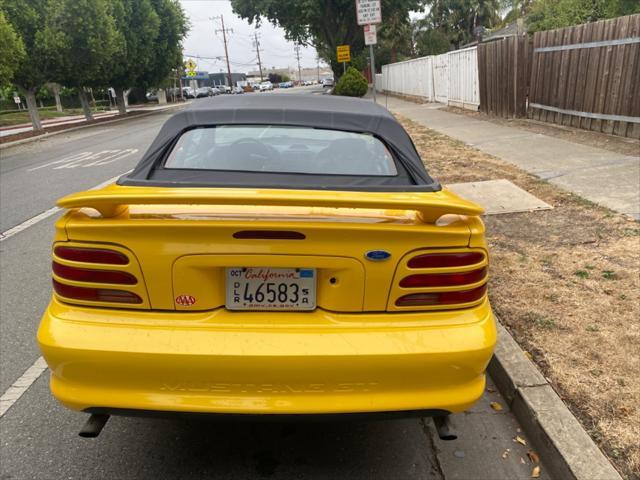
281	149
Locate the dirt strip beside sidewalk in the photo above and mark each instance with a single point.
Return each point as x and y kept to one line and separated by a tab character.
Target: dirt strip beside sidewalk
565	283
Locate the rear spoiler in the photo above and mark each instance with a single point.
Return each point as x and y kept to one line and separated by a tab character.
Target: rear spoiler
114	200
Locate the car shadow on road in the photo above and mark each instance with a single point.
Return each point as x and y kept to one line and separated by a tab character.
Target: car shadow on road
338	449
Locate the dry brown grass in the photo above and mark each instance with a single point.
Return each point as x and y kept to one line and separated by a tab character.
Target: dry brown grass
566	282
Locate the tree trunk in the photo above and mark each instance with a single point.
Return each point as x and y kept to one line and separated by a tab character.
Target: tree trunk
122	108
30	96
162	96
84	101
56	94
93	100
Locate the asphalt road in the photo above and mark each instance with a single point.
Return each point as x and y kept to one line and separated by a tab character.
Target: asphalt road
39	437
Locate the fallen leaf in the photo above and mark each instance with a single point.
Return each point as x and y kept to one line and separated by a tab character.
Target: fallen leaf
533	456
522	460
496	406
535	473
505	454
528	355
520	440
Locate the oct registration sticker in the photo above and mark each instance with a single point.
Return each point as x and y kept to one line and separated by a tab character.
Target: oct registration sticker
265	288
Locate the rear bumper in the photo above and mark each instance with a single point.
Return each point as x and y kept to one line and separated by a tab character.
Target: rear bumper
266	363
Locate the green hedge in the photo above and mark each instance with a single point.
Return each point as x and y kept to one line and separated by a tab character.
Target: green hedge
352	84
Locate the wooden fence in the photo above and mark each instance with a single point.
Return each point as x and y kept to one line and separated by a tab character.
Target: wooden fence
503	72
588	76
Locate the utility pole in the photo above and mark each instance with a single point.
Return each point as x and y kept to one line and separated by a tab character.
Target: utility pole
318	67
257	44
297	49
226	52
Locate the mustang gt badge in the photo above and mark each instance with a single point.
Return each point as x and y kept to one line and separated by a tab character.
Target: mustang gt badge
377	255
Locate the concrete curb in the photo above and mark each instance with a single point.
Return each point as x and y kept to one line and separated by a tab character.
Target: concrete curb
47	135
564	446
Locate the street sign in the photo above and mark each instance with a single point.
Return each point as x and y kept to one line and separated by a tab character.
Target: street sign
190	64
343	53
368	12
17	99
191	73
370	36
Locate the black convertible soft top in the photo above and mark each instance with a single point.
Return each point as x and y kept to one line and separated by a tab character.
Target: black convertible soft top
315	111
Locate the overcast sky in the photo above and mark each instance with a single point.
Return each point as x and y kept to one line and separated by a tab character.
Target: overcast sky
203	41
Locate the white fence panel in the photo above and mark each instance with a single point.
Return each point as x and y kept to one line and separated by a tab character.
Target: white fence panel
450	78
412	77
463	78
441	77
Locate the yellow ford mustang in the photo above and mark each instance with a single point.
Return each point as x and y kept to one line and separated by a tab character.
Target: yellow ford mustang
276	255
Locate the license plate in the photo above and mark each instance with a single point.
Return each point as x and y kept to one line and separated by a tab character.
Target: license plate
265	288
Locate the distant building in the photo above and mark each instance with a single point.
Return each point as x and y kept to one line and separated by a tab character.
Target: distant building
222	78
206	79
306	73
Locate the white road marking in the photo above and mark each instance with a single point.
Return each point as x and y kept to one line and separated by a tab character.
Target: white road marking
28	223
15	391
46	214
103	157
70	158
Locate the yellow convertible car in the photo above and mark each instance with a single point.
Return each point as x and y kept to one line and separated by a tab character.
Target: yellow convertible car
270	256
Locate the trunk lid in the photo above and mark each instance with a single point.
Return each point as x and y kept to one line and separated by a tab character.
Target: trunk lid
184	242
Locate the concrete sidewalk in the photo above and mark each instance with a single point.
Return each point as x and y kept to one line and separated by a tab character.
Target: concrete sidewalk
607	178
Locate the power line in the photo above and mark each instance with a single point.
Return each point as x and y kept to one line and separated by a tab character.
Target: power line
226	51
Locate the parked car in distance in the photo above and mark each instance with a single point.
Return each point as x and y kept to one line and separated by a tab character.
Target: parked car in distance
276	255
288	84
327	82
206	92
188	92
152	96
264	86
237	90
224	88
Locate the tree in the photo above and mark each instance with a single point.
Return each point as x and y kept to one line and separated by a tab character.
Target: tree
458	19
324	24
139	25
81	39
551	14
166	52
431	42
26	18
12	51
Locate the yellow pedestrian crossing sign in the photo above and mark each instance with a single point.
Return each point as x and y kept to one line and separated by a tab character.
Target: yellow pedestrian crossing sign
191	65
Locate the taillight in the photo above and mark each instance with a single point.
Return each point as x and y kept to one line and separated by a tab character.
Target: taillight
92	276
440	260
95	294
441	298
443	279
91	255
95	271
450	278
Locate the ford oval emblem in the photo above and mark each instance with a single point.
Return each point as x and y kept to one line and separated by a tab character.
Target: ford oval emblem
377	255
